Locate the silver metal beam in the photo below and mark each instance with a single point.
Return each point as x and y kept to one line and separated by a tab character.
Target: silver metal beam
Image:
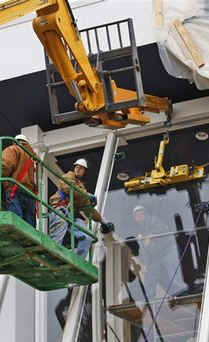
101	193
73	139
106	170
74	314
81	137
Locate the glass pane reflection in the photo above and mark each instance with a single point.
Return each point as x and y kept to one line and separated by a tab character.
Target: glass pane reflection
155	279
163	275
172	326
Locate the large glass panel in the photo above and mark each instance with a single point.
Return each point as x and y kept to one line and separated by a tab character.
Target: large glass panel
166	232
160	292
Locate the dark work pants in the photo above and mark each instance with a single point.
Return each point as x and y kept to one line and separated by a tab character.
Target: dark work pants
22	205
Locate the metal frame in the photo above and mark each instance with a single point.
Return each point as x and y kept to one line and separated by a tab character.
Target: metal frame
93	38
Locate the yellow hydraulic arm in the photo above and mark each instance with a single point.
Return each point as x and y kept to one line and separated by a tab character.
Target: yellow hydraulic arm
56	28
159	169
160	177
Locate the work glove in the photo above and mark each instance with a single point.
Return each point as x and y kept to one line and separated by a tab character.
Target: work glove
107	227
93	199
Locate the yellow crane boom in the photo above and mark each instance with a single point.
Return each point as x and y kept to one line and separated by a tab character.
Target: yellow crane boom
56	28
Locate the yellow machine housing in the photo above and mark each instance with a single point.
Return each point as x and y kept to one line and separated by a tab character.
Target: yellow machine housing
160	177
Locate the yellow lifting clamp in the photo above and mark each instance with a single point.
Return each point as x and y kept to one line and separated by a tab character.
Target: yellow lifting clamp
160	177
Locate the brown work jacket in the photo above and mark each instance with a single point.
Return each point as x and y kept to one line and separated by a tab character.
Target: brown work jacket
13	162
79	200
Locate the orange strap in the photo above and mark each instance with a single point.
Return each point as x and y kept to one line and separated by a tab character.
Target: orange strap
20	177
62	203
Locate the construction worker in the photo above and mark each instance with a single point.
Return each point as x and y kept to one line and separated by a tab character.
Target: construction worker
159	255
17	164
58	227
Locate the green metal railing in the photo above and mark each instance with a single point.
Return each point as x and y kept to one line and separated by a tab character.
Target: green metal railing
39	197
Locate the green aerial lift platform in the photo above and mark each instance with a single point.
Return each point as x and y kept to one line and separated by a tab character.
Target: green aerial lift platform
34	258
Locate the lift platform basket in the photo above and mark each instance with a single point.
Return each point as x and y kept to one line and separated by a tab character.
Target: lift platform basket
34	258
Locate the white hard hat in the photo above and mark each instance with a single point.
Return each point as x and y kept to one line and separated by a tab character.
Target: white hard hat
22	137
138	208
81	162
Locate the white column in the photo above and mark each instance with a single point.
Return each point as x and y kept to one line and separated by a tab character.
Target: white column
7	309
25	312
116	268
4	280
106	170
101	193
203	329
17	311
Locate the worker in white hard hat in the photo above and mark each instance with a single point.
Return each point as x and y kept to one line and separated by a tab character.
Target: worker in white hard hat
17	164
158	254
139	213
58	227
81	162
22	137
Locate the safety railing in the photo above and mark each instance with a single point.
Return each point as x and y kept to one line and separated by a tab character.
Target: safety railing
103	43
43	213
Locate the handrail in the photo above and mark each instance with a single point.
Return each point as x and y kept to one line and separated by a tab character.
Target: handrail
69	220
46	166
72	188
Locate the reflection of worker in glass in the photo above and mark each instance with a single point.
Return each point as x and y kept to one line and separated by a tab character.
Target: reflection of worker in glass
158	255
135	273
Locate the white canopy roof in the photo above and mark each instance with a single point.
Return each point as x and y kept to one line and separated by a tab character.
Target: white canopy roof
182	29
